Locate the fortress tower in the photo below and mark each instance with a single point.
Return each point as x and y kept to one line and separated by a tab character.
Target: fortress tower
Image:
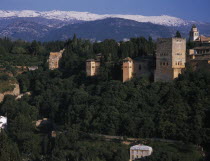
194	33
92	67
54	59
128	69
170	58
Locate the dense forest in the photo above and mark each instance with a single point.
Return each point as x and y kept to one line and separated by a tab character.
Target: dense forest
78	106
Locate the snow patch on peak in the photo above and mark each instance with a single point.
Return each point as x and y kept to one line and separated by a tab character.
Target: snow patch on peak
87	16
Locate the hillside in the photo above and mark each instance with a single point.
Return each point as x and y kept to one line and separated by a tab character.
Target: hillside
76	106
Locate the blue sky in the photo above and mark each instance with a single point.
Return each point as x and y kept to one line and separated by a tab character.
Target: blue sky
187	9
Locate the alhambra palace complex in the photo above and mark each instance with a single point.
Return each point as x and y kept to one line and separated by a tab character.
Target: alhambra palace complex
170	60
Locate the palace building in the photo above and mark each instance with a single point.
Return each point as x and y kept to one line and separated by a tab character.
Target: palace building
199	56
169	61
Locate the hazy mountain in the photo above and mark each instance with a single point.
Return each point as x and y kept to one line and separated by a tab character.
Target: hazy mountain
114	28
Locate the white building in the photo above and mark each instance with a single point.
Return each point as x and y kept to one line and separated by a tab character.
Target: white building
32	68
195	37
140	151
194	33
3	122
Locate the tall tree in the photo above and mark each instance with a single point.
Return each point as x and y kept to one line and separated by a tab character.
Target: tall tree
8	149
178	34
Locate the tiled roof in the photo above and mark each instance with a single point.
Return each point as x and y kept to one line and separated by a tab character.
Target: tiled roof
203	38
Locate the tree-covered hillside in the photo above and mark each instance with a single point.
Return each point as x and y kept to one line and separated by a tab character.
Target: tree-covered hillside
78	106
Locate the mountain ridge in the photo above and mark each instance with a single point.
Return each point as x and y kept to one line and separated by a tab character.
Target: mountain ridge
113	28
87	16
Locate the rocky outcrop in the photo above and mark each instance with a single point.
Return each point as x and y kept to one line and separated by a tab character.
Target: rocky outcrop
14	92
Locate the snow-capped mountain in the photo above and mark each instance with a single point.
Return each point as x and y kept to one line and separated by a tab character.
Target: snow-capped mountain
60	25
86	16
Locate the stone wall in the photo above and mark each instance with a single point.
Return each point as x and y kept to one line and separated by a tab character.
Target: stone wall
197	64
144	67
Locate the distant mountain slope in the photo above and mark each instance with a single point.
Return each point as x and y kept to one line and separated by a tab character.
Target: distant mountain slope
29	28
24	30
86	16
53	23
114	28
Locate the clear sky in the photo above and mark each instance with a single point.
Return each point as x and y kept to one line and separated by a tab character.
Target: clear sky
186	9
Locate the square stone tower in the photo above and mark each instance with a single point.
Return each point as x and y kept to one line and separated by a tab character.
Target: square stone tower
92	67
170	58
128	69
